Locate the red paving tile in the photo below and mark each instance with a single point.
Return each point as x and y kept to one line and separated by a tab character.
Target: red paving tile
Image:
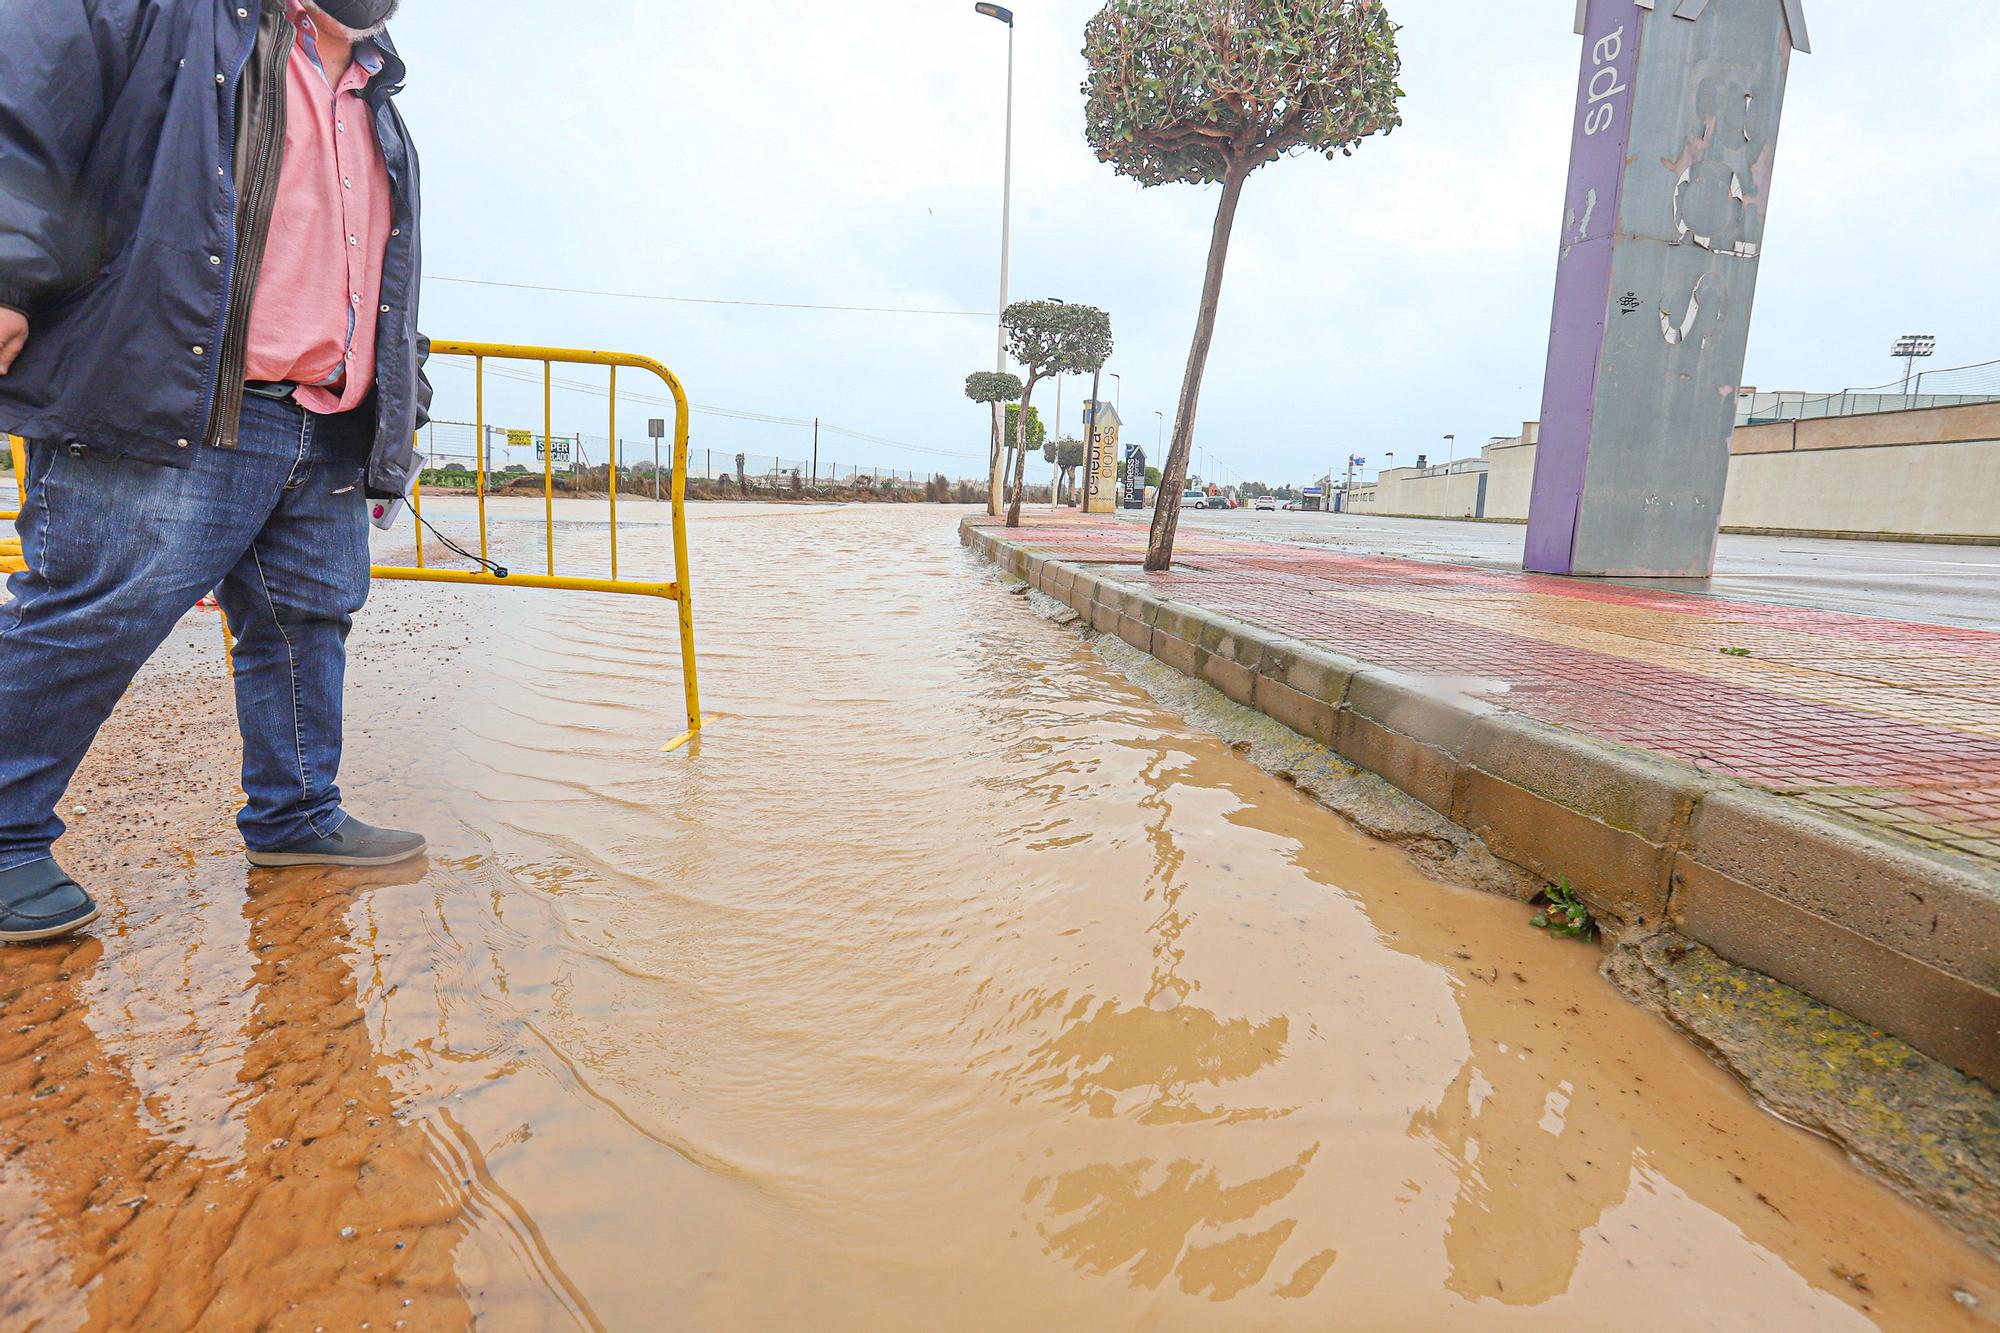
1888	722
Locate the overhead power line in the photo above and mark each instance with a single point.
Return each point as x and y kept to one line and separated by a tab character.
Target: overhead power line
713	300
728	413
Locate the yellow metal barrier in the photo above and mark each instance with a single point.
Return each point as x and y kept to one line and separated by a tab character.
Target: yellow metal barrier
423	572
10	547
677	591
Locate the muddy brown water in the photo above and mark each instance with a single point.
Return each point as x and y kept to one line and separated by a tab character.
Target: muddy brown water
949	982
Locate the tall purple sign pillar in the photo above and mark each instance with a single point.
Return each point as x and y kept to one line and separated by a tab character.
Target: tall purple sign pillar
1676	131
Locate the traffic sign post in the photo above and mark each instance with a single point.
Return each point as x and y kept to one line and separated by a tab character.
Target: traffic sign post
657	428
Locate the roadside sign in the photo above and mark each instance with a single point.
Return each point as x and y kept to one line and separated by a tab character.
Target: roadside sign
520	439
656	428
1135	477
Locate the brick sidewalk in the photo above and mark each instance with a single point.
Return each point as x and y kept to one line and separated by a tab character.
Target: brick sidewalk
1891	724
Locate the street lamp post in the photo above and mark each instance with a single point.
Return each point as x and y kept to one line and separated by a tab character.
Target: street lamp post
1451	451
1005	16
1118	394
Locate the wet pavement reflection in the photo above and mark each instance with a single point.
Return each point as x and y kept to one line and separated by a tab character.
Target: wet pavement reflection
949	981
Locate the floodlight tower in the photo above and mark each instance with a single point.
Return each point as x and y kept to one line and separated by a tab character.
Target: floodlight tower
1910	348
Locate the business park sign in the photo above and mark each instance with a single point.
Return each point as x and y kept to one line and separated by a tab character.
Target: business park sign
1674	139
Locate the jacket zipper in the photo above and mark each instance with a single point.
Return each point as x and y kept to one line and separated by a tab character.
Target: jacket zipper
267	161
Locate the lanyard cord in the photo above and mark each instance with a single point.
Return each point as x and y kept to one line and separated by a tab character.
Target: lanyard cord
498	571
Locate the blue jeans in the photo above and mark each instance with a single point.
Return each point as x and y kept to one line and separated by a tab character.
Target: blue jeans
118	551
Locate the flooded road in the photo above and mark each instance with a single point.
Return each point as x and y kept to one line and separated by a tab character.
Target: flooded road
949	981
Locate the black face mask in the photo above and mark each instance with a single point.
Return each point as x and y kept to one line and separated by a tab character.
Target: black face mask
358	15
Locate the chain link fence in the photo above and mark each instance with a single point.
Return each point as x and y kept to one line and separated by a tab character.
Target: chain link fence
451	447
1954	387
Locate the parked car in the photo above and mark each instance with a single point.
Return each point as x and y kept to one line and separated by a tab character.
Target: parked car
1194	499
1264	502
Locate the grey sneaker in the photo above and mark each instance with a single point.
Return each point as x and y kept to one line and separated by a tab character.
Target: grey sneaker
352	844
39	902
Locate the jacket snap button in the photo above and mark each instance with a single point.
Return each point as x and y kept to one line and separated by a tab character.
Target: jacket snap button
180	444
76	448
199	350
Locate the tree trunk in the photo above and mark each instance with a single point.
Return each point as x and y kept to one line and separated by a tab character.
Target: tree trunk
993	470
1020	454
1173	473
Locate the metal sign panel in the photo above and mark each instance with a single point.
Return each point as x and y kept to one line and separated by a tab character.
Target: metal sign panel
1673	143
1135	477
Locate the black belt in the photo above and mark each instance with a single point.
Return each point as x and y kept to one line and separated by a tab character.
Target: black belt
277	390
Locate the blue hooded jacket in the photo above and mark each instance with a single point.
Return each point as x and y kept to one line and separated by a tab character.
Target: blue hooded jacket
122	235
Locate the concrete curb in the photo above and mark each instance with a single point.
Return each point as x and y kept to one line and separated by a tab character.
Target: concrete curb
1900	937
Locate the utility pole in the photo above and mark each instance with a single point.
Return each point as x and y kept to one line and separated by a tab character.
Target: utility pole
1055	487
815	451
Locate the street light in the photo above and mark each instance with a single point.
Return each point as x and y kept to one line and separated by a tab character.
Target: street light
1451	451
1005	16
1909	349
1118	396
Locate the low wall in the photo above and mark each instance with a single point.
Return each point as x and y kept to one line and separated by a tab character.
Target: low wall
1904	489
1431	494
1510	481
1922	474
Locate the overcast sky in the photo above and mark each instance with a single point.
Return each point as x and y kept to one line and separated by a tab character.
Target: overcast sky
849	154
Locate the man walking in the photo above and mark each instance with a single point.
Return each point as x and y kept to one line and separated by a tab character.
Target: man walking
208	333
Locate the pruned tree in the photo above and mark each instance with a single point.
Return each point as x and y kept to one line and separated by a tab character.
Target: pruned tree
1050	338
1068	456
1207	91
993	387
1038	431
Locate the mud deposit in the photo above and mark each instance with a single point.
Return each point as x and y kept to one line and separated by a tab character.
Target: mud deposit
949	982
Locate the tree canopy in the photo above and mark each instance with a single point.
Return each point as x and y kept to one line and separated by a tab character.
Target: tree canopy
1197	90
992	386
1207	91
1057	338
1037	431
1064	453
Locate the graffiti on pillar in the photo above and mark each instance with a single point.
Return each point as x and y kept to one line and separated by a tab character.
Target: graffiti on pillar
1722	176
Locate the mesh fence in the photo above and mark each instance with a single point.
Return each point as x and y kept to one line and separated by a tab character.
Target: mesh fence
1953	387
451	446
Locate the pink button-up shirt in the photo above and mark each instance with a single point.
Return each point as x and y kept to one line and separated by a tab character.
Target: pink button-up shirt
312	318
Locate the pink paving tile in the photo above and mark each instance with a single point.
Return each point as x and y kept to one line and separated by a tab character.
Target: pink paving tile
1923	740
